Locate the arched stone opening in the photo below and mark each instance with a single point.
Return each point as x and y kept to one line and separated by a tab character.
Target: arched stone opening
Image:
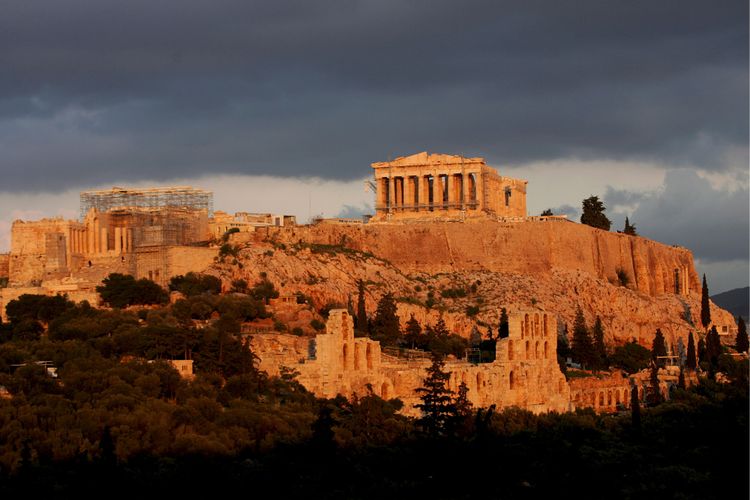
344	356
546	326
356	358
528	352
527	323
601	398
368	356
609	398
510	350
473	205
546	349
536	325
536	350
511	381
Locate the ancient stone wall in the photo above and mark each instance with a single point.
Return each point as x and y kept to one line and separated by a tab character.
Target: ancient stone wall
530	247
525	373
4	265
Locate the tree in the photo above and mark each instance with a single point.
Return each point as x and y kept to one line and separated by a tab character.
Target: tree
386	327
195	284
122	290
547	212
702	351
502	331
705	306
593	214
490	333
437	406
582	348
691	361
629	228
741	342
600	349
658	348
713	349
413	332
361	324
631	357
264	290
681	380
654	395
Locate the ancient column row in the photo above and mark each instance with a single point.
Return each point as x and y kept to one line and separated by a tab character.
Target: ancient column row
435	190
95	239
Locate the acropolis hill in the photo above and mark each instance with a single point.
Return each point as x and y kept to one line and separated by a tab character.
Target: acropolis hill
442	222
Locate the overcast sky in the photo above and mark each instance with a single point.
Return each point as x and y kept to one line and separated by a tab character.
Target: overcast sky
282	105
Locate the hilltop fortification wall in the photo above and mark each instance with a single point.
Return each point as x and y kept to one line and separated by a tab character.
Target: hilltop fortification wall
529	247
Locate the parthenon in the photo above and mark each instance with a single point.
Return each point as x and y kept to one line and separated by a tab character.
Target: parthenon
428	186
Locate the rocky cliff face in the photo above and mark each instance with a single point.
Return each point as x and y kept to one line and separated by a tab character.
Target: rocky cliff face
551	266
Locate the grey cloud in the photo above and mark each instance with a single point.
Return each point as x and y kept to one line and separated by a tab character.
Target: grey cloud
99	91
713	223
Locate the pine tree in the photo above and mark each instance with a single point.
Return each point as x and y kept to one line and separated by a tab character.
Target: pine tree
437	406
599	347
582	348
490	333
593	214
691	362
658	348
702	358
386	327
362	324
413	332
635	409
629	228
681	380
440	330
503	329
462	403
742	343
705	307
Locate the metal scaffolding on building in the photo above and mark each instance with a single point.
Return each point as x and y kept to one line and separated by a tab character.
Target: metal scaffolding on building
128	198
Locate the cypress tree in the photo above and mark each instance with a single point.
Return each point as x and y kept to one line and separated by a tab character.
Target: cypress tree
691	362
713	349
490	333
705	307
386	326
702	351
629	228
502	331
582	348
413	332
742	343
658	348
655	391
635	409
681	380
599	348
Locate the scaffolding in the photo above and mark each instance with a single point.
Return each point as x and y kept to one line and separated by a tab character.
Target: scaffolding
119	198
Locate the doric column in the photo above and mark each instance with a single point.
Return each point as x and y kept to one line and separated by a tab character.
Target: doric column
391	193
438	190
452	198
409	192
129	239
118	240
466	183
480	191
104	241
382	188
424	194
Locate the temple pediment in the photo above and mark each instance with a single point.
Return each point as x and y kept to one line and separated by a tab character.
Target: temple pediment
425	158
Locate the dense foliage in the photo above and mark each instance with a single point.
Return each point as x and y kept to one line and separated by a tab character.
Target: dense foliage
593	213
195	284
122	290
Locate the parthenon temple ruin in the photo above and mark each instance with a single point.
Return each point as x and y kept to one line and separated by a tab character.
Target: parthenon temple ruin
425	186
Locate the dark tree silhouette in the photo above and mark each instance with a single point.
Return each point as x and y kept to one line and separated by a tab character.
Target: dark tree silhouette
547	212
593	214
705	307
600	349
629	228
362	324
654	395
713	349
502	331
386	327
635	409
582	349
413	332
438	407
741	342
658	348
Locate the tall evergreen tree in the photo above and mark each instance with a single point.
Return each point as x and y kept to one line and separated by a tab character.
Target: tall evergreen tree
593	213
438	407
440	330
362	324
654	389
582	349
599	348
658	348
702	351
629	228
705	307
413	332
635	409
681	380
386	327
502	331
490	333
713	349
691	361
741	342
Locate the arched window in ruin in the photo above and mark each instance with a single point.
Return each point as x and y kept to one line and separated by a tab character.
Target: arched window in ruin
609	398
368	355
344	354
601	398
526	323
472	192
527	350
546	327
546	349
617	397
511	381
536	324
384	391
356	358
510	350
523	330
536	350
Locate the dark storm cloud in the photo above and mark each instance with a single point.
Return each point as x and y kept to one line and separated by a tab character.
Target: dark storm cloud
93	91
688	211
